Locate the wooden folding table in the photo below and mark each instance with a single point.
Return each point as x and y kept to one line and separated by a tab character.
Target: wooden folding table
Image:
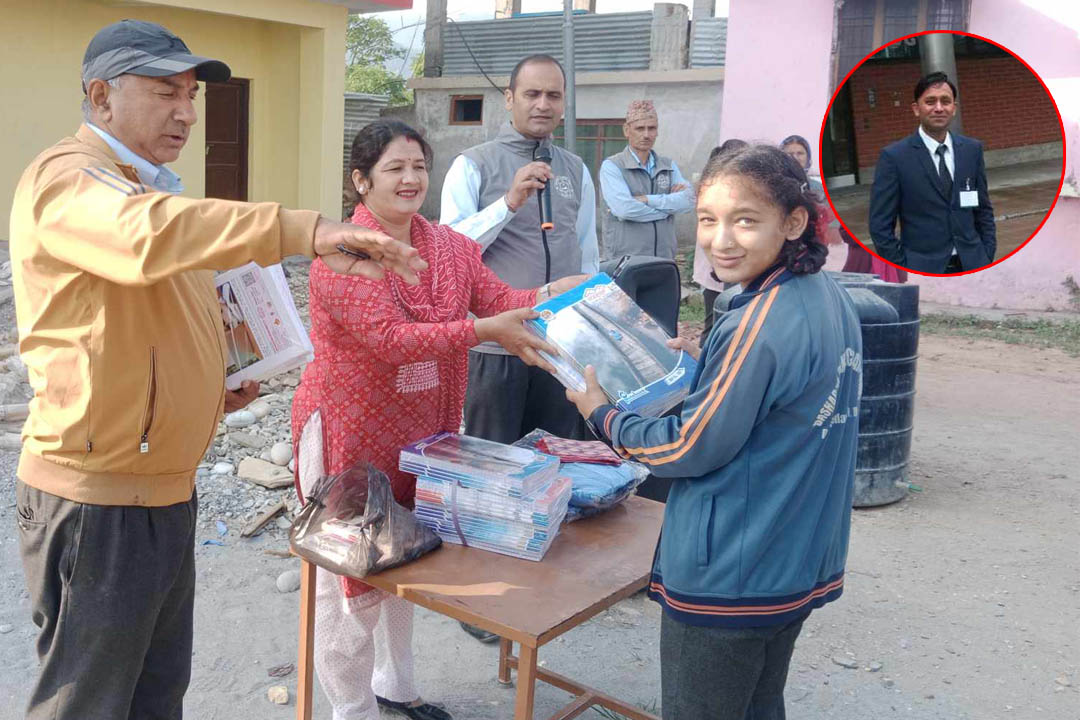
592	565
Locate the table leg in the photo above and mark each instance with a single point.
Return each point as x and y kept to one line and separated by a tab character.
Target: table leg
526	684
506	649
305	661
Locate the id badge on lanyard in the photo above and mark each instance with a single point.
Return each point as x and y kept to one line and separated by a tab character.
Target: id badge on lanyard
969	198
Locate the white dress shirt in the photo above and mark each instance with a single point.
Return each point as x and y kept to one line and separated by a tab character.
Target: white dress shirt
932	146
158	177
460	210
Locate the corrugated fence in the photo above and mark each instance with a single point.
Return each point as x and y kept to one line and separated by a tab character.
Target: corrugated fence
611	41
360	109
709	42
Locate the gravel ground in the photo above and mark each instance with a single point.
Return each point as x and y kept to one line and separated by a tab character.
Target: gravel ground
961	601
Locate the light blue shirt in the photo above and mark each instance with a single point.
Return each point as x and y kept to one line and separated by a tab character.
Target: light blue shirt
158	177
460	210
656	207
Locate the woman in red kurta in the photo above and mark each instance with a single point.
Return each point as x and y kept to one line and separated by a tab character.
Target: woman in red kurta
390	368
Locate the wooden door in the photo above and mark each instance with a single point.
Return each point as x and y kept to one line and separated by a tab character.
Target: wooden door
227	139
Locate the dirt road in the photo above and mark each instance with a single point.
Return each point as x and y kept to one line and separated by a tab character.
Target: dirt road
961	601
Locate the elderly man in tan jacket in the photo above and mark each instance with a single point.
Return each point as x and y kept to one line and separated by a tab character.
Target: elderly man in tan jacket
120	331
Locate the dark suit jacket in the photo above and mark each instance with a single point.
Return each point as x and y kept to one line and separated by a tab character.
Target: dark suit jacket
906	185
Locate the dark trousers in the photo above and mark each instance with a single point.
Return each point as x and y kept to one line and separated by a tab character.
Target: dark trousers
508	399
112	589
710	300
709	673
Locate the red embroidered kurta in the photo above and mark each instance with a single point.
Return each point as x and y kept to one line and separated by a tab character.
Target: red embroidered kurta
391	359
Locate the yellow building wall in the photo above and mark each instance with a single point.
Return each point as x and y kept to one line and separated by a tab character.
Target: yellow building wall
292	51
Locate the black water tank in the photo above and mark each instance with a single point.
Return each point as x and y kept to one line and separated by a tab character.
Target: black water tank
889	316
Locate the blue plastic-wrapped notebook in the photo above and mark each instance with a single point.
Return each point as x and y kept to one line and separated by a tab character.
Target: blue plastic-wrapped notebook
598	324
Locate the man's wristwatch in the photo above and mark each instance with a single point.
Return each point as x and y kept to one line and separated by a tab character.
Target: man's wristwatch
544	292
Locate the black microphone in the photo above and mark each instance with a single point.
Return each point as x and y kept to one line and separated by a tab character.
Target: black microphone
543	195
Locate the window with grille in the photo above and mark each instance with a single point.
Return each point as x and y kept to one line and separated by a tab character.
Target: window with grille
596	140
863	25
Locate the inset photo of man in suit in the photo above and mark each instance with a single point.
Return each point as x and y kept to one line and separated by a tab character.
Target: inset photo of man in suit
934	182
942	153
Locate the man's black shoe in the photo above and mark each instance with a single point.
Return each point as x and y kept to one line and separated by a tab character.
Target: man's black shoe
426	711
479	633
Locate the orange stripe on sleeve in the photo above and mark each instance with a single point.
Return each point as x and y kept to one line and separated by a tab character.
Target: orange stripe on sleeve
771	296
732	347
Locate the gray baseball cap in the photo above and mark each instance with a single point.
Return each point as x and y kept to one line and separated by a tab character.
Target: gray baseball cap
144	48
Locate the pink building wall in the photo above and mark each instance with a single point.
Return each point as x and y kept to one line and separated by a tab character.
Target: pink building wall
776	79
777	83
1046	34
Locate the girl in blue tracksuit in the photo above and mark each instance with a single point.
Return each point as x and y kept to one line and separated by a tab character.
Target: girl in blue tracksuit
763	455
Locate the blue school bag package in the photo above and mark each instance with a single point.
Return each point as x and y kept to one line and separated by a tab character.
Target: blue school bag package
595	487
598	324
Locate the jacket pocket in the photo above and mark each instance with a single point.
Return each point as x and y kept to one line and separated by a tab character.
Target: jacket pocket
151	404
704	534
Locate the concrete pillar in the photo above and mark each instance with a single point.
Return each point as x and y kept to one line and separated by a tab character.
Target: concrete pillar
670	37
570	110
321	126
937	53
506	8
702	9
433	38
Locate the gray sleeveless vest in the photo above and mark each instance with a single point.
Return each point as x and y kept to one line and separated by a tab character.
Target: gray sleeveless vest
518	256
627	237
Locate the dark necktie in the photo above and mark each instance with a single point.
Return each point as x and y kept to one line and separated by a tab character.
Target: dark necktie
943	170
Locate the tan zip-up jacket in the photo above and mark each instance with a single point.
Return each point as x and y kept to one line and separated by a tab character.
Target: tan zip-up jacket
119	324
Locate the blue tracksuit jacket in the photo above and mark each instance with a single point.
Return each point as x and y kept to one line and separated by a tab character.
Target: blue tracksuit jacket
763	455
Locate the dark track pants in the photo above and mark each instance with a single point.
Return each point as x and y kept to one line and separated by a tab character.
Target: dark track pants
507	400
709	673
112	589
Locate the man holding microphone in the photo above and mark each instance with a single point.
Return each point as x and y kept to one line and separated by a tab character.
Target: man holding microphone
490	195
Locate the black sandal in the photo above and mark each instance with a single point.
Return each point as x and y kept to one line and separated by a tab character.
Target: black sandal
424	711
480	634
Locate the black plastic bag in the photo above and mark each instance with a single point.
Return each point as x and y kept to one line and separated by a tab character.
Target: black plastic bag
351	525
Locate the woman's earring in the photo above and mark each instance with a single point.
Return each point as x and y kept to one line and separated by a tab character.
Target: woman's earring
361	189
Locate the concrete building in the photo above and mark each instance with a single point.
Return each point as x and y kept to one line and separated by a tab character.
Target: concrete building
798	78
272	133
658	55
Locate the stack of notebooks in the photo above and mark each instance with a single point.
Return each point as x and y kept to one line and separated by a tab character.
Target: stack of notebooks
487	495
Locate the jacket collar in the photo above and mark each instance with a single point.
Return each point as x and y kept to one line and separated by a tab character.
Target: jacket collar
634	161
88	137
773	276
631	162
918	146
158	177
518	143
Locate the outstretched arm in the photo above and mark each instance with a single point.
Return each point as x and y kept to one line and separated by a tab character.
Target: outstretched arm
728	400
